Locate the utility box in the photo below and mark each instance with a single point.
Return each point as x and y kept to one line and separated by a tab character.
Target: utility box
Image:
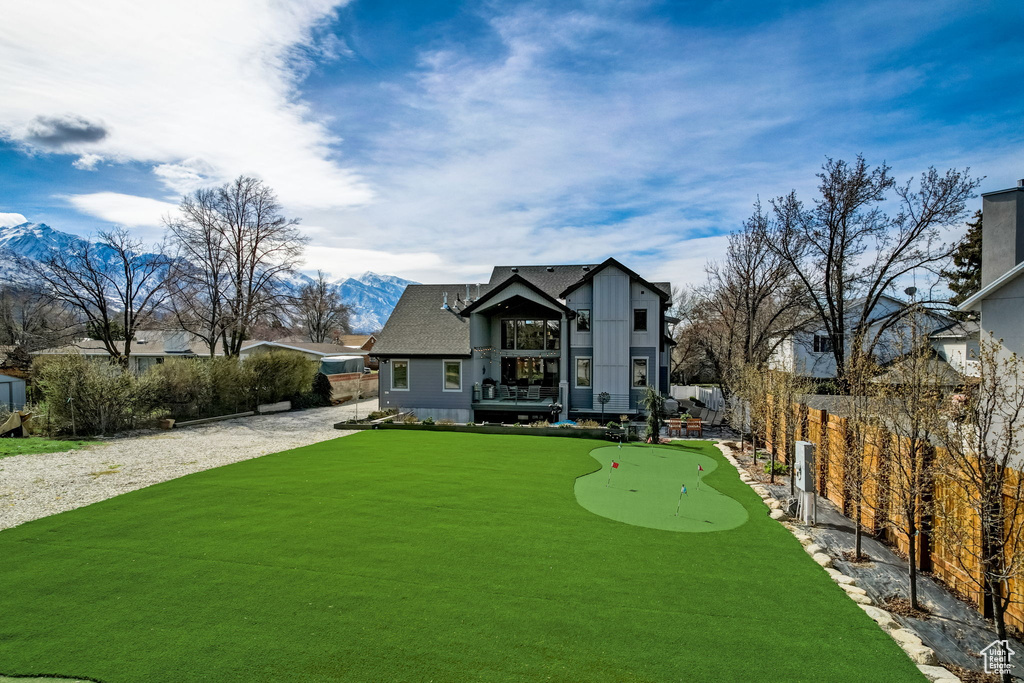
804	466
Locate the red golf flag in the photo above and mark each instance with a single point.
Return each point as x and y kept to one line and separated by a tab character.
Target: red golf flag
614	465
699	468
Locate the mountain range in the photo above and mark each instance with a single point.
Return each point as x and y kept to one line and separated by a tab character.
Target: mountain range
371	296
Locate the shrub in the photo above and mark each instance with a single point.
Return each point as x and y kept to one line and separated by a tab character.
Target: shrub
91	397
408	418
612	425
378	414
428	420
180	386
445	421
780	468
322	389
517	424
230	386
540	423
587	424
279	375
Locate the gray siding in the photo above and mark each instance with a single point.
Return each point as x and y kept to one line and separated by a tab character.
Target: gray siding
610	324
426	384
580	398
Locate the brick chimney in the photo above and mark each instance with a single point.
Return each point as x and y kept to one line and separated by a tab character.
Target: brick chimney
1002	237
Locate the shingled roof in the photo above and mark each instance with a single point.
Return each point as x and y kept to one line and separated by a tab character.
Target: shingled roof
419	326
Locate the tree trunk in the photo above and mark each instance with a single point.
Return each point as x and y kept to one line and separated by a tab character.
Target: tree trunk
999	615
912	561
858	543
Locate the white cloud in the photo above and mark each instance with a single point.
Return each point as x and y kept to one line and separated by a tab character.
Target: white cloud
123	209
87	162
9	219
423	266
189	84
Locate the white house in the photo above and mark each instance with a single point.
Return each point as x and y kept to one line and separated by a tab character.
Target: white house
809	354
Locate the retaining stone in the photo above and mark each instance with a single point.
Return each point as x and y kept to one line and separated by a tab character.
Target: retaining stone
881	617
861	599
823	559
922	655
813	549
777	514
938	674
853	590
905	638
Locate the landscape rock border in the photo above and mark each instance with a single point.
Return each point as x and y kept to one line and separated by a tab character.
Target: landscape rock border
921	655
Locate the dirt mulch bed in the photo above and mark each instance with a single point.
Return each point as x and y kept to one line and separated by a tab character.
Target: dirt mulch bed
862	561
901	606
969	676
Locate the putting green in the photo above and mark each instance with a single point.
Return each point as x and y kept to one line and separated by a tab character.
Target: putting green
645	490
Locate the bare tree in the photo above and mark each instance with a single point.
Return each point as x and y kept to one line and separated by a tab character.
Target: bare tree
750	303
240	250
847	253
912	401
785	389
114	284
982	505
320	310
32	319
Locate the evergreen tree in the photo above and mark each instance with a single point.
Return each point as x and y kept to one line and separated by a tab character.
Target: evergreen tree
964	278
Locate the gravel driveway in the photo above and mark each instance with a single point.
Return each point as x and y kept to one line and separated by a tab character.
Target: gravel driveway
34	486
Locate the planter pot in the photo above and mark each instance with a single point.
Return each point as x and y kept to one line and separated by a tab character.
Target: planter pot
167	424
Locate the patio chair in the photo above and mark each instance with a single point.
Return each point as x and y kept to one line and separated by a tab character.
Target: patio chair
533	392
503	392
694	427
675	425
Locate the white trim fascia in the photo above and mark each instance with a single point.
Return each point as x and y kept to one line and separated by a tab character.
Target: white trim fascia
971	304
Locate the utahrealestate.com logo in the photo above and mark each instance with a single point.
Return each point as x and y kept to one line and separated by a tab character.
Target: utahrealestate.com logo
997	657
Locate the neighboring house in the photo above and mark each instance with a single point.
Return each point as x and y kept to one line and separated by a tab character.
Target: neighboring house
149	348
809	354
310	350
362	341
1000	302
957	344
534	342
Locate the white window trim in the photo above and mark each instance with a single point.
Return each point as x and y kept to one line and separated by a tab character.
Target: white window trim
576	373
445	362
647	361
408	371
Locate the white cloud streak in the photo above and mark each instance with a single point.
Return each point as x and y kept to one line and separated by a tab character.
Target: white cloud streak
198	89
123	209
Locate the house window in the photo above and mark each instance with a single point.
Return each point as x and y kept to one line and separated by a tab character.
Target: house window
639	319
553	341
453	375
583	320
582	372
400	375
531	335
639	373
822	343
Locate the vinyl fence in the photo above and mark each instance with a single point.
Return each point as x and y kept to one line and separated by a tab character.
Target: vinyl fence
709	396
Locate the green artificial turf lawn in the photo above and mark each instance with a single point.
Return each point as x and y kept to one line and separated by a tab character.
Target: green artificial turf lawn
420	556
37	444
646	489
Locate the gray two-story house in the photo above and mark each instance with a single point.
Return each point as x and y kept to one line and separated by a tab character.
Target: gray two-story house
533	342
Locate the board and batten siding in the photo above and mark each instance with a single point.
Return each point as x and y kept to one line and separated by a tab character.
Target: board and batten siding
580	399
426	396
610	326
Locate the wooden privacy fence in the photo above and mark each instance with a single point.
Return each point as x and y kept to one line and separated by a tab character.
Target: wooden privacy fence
882	458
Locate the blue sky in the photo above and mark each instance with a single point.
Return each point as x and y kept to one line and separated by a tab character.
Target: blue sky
435	139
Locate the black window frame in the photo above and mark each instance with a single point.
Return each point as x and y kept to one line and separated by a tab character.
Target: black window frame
583	314
636	318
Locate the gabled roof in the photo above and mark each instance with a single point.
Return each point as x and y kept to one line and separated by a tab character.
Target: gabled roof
325	349
517	278
419	326
960	329
973	303
589	275
551	279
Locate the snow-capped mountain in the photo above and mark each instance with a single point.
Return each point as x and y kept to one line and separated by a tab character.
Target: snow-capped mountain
371	296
